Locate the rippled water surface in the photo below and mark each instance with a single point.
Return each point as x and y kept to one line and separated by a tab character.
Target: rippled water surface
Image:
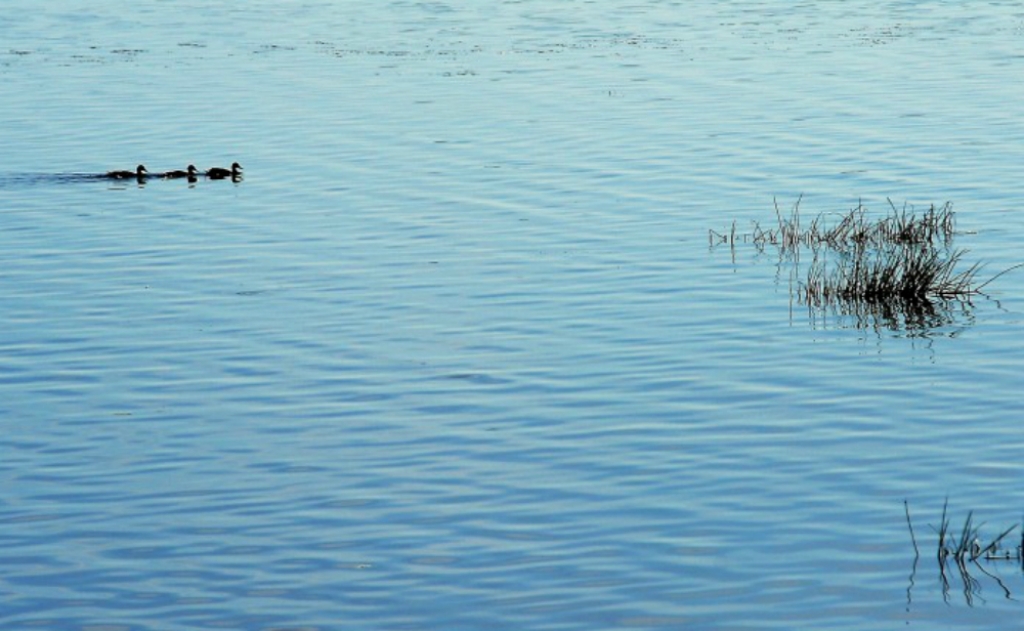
458	351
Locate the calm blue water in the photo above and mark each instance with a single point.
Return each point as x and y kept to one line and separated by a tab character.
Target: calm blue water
456	353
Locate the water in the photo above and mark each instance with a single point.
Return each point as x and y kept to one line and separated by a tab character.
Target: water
456	352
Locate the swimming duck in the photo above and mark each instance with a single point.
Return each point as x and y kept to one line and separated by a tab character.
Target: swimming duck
139	173
217	173
189	173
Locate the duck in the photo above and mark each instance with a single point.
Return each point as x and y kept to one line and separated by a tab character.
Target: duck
217	173
139	173
190	173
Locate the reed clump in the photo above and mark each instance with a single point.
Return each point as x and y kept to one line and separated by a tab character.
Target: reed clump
901	268
894	273
935	226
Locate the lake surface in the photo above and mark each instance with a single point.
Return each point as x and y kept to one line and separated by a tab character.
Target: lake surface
457	352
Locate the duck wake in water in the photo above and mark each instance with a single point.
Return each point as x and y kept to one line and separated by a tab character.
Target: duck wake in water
140	174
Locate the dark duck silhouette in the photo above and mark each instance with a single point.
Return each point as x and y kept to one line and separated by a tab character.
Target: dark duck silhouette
190	173
217	173
139	173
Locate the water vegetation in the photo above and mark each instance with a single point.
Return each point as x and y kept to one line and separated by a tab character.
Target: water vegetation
899	270
856	227
963	548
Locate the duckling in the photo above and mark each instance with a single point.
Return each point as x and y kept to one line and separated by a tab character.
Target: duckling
189	173
217	173
139	173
